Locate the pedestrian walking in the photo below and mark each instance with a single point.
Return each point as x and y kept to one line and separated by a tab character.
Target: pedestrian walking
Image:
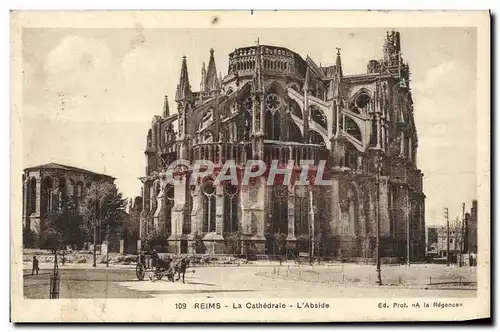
35	266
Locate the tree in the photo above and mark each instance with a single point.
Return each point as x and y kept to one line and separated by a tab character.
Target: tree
29	238
104	208
131	228
51	238
65	224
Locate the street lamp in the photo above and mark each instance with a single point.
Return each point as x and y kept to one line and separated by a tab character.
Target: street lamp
95	230
107	244
378	165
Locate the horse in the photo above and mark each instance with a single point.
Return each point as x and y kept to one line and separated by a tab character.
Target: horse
180	267
161	267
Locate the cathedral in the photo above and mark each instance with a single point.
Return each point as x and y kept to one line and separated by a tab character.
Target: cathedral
274	104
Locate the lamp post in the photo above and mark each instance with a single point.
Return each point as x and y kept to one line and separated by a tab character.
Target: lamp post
378	164
54	279
95	230
107	245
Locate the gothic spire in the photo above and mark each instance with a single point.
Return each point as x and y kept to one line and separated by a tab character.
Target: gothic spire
166	111
211	80
183	88
307	80
338	65
331	89
203	77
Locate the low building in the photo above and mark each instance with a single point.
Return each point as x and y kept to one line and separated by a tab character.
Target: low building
46	187
454	237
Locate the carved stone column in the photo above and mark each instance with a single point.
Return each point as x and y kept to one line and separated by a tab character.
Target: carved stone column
177	220
196	219
219	210
38	194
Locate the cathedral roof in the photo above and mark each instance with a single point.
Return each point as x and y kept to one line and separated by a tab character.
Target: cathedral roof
66	168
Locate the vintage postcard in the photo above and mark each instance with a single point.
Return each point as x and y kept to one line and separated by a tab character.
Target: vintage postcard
250	166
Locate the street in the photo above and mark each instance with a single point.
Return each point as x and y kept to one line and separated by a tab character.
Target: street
253	281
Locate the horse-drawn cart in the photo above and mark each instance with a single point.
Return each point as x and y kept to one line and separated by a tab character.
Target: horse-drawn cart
157	267
143	265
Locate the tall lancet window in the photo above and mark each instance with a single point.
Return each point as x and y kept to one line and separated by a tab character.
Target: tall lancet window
273	121
208	189
31	199
231	208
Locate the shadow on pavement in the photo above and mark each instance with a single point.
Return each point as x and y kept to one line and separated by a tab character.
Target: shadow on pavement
199	283
192	291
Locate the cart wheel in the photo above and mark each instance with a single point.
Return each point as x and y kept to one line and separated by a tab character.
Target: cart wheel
140	271
159	276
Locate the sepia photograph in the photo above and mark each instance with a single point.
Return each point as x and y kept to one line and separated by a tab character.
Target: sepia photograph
245	166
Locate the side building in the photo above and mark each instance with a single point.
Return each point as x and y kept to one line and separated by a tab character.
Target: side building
47	187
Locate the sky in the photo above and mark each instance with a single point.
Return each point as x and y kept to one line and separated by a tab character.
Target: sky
89	95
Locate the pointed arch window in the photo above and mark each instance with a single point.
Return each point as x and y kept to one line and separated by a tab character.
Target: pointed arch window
208	190
273	118
231	208
31	199
361	103
301	211
278	212
207	119
47	195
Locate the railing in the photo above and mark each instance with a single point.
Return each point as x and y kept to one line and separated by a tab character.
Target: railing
219	152
274	60
285	151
